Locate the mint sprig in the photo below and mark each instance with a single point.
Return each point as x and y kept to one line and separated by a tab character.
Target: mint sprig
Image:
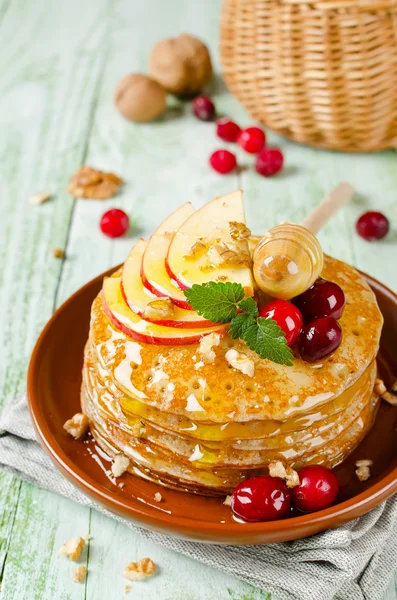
224	302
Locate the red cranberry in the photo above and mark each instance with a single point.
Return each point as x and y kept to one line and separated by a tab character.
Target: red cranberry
372	226
318	488
261	499
269	162
203	108
252	139
227	130
223	161
287	317
114	223
323	299
319	338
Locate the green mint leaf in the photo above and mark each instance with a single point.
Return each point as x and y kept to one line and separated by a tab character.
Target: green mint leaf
215	301
248	305
240	324
267	339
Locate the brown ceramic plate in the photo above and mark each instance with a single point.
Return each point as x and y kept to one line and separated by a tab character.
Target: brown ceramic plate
53	390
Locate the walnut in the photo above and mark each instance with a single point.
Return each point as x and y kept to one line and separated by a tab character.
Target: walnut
77	426
380	387
91	183
389	395
140	98
79	574
239	231
206	344
240	361
181	65
141	570
363	470
58	252
120	465
39	198
228	501
229	254
158	497
73	548
278	469
162	308
197	249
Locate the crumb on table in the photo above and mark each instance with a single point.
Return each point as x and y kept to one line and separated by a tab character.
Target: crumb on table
141	570
73	548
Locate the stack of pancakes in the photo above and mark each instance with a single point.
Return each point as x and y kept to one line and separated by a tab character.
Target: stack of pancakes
204	427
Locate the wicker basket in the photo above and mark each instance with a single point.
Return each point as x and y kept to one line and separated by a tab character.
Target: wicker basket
322	73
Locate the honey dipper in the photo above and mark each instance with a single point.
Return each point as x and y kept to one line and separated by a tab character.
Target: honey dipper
288	258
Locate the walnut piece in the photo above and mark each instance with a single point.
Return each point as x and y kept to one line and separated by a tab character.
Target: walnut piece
388	395
73	548
58	252
197	249
228	501
240	361
158	497
39	198
363	471
138	429
141	570
231	254
120	465
206	344
163	308
77	426
380	387
239	231
278	469
91	183
79	574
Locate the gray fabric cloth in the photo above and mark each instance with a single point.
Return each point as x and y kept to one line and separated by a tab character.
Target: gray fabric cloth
353	562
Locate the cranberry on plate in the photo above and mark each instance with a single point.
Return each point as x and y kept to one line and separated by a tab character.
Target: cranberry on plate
252	139
223	161
269	162
319	338
227	130
287	317
318	489
203	108
262	498
114	223
322	299
372	226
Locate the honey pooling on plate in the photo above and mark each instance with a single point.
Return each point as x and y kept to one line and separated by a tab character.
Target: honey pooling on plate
287	261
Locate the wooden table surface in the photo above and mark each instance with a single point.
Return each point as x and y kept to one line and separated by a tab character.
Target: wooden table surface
59	63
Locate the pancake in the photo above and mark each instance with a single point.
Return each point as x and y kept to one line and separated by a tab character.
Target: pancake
173	379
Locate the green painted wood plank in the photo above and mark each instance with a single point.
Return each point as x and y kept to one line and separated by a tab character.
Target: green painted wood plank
9	494
34	570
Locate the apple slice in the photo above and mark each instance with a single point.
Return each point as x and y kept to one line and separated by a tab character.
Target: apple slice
143	331
154	274
138	297
201	239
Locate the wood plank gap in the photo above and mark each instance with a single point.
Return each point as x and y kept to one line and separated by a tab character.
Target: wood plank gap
2	566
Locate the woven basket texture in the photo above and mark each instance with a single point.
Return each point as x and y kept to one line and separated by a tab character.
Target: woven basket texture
321	73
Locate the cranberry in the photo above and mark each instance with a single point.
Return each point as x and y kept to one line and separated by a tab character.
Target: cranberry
203	108
372	226
287	317
223	161
252	139
319	338
227	130
323	299
318	488
261	499
269	162
114	223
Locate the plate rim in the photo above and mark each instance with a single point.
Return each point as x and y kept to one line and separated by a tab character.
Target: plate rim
339	513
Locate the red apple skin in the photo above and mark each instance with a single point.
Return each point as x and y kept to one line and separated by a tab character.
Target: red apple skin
159	294
180	284
167	322
150	339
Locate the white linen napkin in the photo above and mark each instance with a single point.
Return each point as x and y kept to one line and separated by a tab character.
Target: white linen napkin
353	562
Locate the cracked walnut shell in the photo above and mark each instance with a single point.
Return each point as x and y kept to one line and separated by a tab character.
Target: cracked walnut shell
182	65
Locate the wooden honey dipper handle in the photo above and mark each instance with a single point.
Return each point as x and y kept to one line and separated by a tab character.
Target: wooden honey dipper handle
337	198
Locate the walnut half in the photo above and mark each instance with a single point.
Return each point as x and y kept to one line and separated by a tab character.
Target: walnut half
163	308
91	183
278	469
